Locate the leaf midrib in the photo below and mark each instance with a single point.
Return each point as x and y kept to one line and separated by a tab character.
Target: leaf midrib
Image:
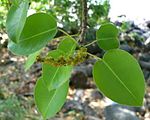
54	76
59	67
56	89
119	80
109	38
45	113
41	33
20	17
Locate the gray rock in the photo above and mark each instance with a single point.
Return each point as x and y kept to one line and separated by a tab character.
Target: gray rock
72	105
96	94
78	94
146	74
145	65
94	49
78	79
147	34
80	75
119	112
87	110
87	70
92	118
138	31
125	37
148	81
144	57
147	105
77	106
126	48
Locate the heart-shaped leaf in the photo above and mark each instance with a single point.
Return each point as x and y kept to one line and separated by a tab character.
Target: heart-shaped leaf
38	30
16	19
119	76
55	76
50	102
107	36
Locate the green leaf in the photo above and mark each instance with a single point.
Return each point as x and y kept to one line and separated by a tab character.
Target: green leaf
56	76
50	102
119	76
39	29
16	19
53	76
107	36
70	43
31	59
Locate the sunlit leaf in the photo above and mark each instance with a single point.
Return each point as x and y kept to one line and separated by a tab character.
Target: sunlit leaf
39	29
16	19
119	76
50	102
107	36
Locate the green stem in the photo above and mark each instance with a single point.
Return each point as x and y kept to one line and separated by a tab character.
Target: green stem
65	36
94	56
67	33
90	43
64	32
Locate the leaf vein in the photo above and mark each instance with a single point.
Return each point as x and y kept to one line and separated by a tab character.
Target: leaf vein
37	34
122	83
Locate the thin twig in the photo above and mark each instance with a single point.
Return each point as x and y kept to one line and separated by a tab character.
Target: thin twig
90	43
65	36
94	56
64	32
102	39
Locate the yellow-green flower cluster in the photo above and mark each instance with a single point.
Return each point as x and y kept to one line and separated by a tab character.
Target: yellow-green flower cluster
79	56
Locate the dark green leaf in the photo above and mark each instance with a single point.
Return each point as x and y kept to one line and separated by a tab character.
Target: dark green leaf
39	29
107	37
16	19
50	102
119	76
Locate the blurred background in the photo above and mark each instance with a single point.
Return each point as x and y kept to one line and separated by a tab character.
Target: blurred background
84	101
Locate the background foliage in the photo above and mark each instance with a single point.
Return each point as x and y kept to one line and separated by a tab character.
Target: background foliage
67	12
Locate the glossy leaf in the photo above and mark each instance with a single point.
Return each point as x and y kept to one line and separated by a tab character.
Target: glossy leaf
31	59
107	36
39	29
56	76
50	102
16	19
119	76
